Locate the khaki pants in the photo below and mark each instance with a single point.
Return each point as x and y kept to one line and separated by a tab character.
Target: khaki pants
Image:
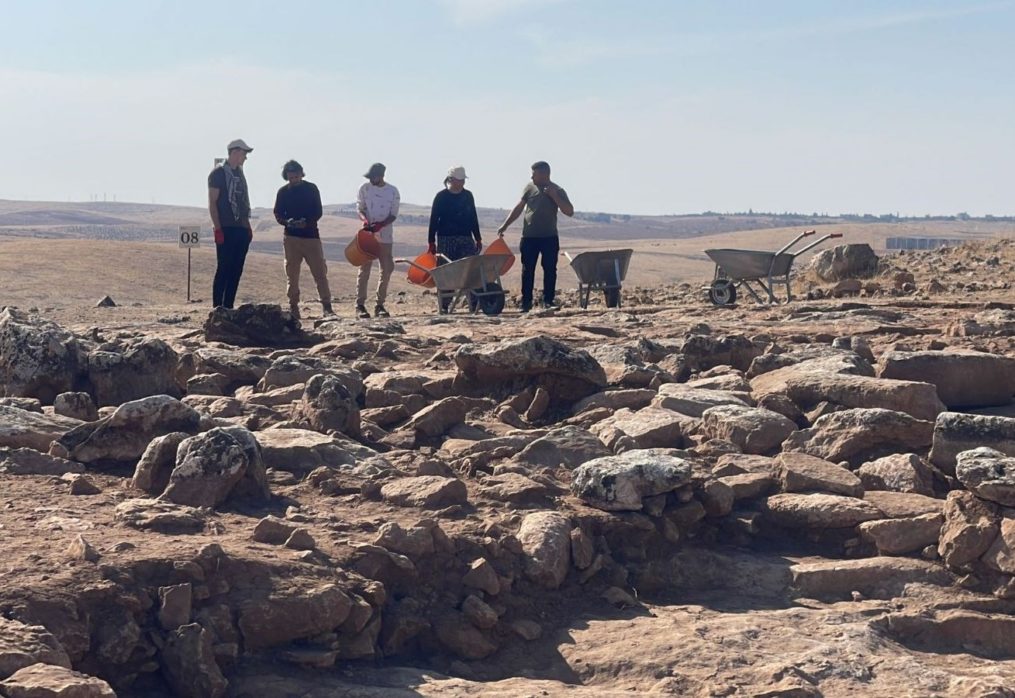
363	279
297	250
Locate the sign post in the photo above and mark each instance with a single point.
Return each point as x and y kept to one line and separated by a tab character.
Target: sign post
190	237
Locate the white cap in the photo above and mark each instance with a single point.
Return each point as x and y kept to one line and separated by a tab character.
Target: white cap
239	143
457	172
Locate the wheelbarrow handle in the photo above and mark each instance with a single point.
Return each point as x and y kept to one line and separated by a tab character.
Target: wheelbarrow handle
412	264
809	232
835	235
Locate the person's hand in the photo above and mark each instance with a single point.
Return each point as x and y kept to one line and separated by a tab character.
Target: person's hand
500	231
220	237
432	248
551	190
479	246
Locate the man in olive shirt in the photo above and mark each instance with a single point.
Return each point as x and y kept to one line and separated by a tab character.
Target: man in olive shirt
541	199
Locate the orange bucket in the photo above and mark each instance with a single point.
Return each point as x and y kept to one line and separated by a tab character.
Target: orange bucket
362	249
498	246
418	277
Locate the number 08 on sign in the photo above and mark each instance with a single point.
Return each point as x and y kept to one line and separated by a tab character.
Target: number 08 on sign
190	236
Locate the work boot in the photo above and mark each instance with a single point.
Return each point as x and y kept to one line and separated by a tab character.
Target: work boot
294	310
379	311
361	311
328	310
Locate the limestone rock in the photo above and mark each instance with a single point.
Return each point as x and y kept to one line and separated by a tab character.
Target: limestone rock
989	474
414	542
38	358
955	432
210	465
287	371
803	473
28	461
76	406
481	575
292	613
631	398
157	462
438	418
175	604
857	435
143	369
51	681
1001	554
425	491
854	261
649	427
566	447
970	526
875	577
901	536
693	402
300	451
327	405
24	429
188	663
904	505
752	429
256	325
900	472
273	530
617	483
164	517
818	511
462	638
546	544
963	378
23	645
567	374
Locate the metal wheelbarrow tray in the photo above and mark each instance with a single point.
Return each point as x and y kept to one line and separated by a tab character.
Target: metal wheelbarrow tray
759	273
476	276
603	270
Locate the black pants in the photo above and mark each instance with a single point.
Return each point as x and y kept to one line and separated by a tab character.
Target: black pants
531	249
230	255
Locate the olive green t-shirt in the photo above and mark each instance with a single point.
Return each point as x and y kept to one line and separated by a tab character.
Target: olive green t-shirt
540	219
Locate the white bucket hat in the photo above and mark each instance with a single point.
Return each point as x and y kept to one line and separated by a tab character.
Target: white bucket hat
457	172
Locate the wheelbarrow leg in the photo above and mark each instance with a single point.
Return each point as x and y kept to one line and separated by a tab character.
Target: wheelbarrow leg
747	284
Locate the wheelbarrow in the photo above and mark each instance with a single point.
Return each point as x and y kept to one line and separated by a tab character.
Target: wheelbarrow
475	279
758	273
603	270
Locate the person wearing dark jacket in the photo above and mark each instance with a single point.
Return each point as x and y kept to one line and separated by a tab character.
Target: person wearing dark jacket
454	223
229	206
298	208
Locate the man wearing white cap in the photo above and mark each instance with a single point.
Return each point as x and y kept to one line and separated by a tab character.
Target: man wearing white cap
454	222
377	204
229	206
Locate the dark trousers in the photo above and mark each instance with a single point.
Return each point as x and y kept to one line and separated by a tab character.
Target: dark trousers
230	254
531	249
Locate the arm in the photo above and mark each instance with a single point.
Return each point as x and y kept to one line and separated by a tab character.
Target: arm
278	210
559	197
475	219
316	208
361	206
213	209
435	217
512	217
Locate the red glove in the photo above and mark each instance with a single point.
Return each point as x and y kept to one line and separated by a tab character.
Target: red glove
220	237
432	248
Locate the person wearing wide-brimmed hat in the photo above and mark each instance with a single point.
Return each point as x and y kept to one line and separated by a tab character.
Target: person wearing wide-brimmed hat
229	205
298	208
377	205
454	223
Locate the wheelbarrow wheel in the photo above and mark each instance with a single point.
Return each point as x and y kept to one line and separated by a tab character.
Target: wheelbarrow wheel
612	297
491	304
722	292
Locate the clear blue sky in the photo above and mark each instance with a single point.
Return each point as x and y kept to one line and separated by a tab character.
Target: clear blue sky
648	106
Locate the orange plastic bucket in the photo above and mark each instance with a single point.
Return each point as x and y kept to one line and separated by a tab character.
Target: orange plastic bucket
418	277
498	246
362	249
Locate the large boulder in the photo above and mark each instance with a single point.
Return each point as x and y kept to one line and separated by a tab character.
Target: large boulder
859	435
693	402
257	325
145	368
23	645
902	536
38	358
855	261
618	483
899	472
704	351
989	474
152	472
52	681
753	429
25	429
286	371
299	451
212	464
806	386
803	473
328	406
818	511
238	367
955	432
124	435
963	379
426	491
292	613
649	427
566	447
567	374
545	537
970	526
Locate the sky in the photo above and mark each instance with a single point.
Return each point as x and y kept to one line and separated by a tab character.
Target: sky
642	107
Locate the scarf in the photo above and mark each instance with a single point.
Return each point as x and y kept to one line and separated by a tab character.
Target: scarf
236	190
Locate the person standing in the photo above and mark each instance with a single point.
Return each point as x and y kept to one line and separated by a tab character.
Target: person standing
229	205
454	223
298	208
541	199
377	205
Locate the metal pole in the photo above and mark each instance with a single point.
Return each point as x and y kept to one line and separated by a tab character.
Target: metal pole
188	275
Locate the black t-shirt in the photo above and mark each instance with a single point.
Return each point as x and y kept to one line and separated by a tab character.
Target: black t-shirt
453	214
217	180
302	201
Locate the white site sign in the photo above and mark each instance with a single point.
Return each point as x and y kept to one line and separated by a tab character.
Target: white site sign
190	236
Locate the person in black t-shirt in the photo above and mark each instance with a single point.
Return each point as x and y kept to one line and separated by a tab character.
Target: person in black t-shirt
454	223
229	206
298	208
